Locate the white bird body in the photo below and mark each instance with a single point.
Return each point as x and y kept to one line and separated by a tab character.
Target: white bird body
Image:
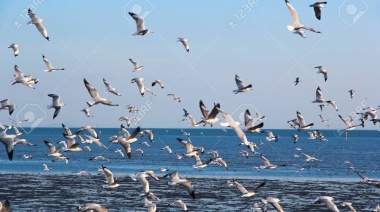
56	104
140	85
297	26
110	88
20	78
136	65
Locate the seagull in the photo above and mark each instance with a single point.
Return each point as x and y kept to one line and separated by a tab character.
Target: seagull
140	25
317	8
150	91
86	111
321	106
323	119
127	119
349	126
50	68
56	104
333	103
5	207
245	192
209	118
312	135
112	183
142	178
110	88
181	182
99	157
349	205
297	26
139	82
271	137
15	48
27	157
89	130
274	202
54	152
120	152
322	71
319	97
46	168
248	122
145	143
244	153
175	97
159	82
181	204
167	149
88	148
199	163
20	78
92	207
301	120
149	133
38	23
185	43
190	149
140	150
8	141
295	137
136	65
95	96
297	81
6	106
351	93
150	205
192	121
241	86
267	164
220	161
309	158
328	201
366	179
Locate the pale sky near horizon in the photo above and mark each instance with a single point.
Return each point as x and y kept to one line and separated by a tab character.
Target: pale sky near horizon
92	40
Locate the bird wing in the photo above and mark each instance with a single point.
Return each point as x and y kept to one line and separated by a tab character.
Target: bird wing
139	22
301	120
50	146
109	176
318	93
239	82
204	110
317	11
234	126
265	161
248	120
293	13
47	63
18	72
93	93
347	123
214	111
240	187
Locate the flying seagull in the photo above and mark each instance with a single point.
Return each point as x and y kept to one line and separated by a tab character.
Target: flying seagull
175	97
349	125
56	104
301	121
297	81
248	122
328	201
181	182
244	191
185	43
158	82
140	85
209	118
322	71
110	88
112	183
20	78
95	96
297	26
50	68
38	23
317	8
351	93
14	47
136	65
241	86
6	106
140	25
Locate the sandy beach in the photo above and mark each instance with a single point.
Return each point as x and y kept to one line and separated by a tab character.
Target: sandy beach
63	192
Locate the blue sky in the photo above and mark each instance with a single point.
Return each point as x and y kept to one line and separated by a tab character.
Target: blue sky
92	40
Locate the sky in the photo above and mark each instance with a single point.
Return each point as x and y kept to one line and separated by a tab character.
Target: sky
93	40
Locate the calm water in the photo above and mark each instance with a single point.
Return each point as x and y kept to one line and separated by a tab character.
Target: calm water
361	149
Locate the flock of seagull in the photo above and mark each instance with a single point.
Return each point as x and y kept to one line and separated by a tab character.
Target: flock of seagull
126	139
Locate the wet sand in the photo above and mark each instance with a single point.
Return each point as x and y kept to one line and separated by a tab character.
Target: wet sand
63	192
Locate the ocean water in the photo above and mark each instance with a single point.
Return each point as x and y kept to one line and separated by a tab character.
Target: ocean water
361	149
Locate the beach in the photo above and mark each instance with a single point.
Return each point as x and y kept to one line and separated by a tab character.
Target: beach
63	192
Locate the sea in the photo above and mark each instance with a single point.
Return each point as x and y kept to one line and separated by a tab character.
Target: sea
361	149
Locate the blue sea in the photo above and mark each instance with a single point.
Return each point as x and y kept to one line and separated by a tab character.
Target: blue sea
361	149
